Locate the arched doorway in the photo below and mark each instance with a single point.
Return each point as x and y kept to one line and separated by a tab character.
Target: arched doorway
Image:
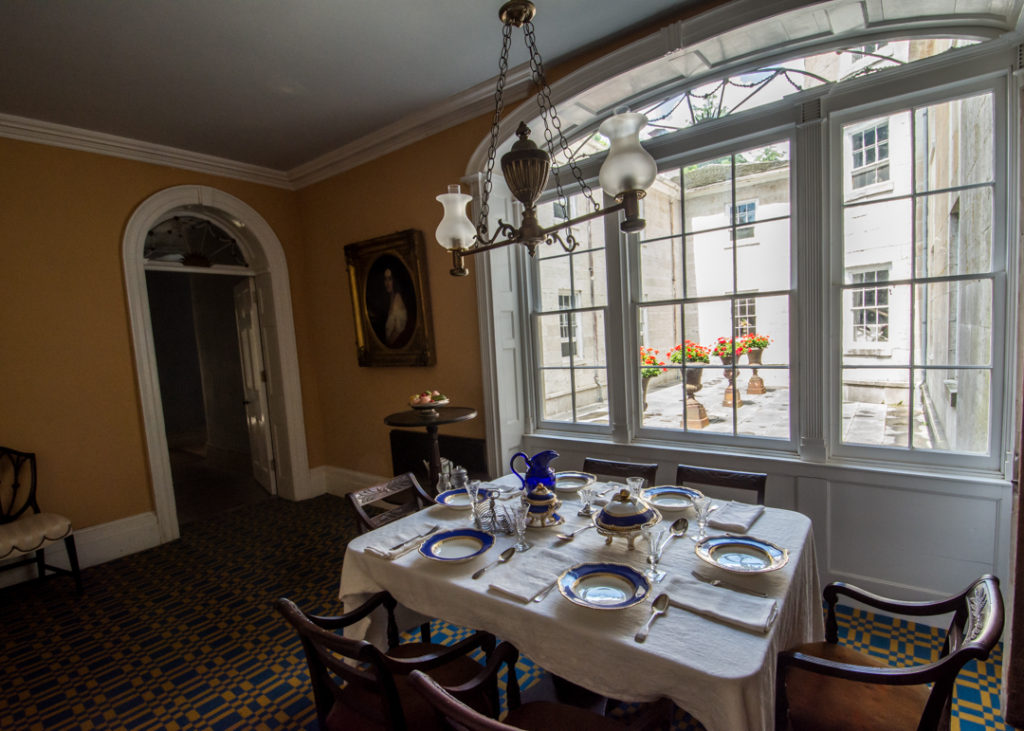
263	252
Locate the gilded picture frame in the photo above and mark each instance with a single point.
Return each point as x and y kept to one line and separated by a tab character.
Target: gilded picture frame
391	300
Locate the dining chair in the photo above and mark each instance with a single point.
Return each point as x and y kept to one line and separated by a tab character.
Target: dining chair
826	686
451	706
751	481
389	501
24	528
608	468
356	686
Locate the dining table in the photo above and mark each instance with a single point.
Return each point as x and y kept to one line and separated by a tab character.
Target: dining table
713	651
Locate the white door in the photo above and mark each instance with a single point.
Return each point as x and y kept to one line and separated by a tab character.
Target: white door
254	385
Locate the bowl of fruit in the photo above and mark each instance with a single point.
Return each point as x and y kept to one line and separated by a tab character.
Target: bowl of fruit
428	401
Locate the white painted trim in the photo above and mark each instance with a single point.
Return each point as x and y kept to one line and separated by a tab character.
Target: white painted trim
76	138
265	253
341	481
459	108
97	544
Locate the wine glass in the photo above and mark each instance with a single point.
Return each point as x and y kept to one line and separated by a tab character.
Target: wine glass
702	506
519	514
473	490
586	495
655	538
636	486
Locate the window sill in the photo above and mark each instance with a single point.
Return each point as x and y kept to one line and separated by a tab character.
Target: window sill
867	191
867	352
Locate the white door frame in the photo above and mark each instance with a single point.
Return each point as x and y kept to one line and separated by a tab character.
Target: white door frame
266	258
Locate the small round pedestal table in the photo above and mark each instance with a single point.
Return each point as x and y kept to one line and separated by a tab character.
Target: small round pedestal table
431	419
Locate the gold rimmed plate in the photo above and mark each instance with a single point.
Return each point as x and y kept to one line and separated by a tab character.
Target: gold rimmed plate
569	481
668	498
741	554
603	585
456	546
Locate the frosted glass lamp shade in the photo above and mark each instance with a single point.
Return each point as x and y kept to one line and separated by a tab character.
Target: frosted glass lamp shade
455	231
628	167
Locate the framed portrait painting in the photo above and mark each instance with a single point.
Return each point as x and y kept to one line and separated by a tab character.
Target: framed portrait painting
391	300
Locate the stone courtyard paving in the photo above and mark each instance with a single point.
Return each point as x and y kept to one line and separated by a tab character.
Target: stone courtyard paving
767	415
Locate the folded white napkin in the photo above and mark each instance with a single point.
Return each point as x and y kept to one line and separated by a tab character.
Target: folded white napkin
735	517
740	610
393	539
527	574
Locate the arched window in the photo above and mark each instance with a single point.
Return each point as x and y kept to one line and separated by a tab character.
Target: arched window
809	223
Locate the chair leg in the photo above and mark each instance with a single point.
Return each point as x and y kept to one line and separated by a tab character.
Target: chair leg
69	544
41	563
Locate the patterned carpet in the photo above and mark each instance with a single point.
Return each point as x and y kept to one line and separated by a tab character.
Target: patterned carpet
185	636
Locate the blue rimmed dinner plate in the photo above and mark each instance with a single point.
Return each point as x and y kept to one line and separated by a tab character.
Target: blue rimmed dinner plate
459	499
671	497
741	554
569	481
604	585
455	546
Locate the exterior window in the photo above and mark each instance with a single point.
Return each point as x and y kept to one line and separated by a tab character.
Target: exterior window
695	292
746	316
745	213
931	386
568	324
870	150
871	307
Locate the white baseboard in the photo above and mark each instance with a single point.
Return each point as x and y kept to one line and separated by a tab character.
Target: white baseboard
340	481
97	544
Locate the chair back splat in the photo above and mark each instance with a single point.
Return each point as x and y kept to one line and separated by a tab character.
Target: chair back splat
753	482
383	503
26	531
355	685
608	468
825	685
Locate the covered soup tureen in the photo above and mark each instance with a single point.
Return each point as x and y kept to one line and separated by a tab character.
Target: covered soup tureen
624	517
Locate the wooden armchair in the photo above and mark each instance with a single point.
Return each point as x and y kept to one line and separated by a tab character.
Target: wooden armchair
608	468
753	482
370	689
824	685
452	706
24	529
398	497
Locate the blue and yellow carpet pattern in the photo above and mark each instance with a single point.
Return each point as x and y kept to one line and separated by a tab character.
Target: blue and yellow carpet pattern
185	635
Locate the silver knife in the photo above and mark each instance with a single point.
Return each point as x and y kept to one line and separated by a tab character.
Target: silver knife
545	591
406	542
727	585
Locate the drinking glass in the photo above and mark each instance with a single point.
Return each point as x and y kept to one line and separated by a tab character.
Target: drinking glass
586	495
519	513
655	538
636	486
473	490
702	506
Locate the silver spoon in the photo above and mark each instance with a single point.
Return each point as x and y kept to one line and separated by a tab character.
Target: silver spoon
658	608
570	536
505	556
678	528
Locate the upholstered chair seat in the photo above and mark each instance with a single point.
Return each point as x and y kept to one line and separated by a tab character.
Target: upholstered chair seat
32	532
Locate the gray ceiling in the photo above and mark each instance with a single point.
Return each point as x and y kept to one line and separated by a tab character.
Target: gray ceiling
274	83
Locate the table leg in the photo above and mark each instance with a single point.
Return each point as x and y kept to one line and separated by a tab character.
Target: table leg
435	459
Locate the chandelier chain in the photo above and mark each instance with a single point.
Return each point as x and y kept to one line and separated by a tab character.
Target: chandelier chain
548	112
499	104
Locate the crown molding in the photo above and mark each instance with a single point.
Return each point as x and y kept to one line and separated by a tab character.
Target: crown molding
75	138
461	107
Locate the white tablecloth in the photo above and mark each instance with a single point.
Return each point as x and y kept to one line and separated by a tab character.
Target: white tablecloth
723	675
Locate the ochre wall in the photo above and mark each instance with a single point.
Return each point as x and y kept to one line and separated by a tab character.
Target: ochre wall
392	193
70	391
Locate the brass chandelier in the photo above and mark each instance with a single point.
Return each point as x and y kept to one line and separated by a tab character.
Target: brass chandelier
625	175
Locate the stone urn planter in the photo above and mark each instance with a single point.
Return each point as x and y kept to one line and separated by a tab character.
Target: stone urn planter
756	384
731	395
645	382
695	415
